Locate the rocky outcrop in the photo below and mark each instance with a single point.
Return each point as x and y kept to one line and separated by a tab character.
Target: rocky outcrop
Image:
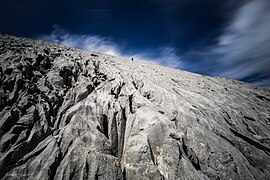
72	114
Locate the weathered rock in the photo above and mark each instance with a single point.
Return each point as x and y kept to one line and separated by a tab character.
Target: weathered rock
72	114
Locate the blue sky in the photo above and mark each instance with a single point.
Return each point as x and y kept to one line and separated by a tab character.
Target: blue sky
214	37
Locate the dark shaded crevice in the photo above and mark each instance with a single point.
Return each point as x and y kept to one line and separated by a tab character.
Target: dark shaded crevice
77	68
14	95
175	81
249	155
69	145
147	95
130	97
58	120
45	111
110	80
104	125
3	99
23	161
66	74
70	103
117	90
263	98
251	141
71	175
249	118
180	155
11	120
9	83
151	153
47	51
8	144
53	108
191	155
228	121
124	174
55	165
96	80
161	112
85	174
48	85
59	104
176	91
122	134
25	135
13	157
114	135
249	128
97	174
100	77
96	66
58	160
94	55
134	84
162	177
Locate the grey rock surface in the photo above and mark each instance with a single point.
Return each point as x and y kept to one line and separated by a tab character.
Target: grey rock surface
72	114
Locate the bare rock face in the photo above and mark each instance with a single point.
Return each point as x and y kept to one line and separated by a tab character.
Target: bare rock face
72	114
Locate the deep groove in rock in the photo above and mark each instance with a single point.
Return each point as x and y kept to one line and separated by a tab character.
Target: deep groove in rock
55	165
134	84
23	150
251	141
122	133
86	169
104	122
249	118
114	135
191	155
97	175
151	152
124	174
130	97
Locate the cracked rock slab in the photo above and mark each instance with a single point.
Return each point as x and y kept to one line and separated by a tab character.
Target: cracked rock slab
66	113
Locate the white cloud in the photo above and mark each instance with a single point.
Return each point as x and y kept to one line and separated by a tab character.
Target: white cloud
86	42
166	56
244	48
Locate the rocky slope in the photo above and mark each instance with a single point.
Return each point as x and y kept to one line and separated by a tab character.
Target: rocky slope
72	114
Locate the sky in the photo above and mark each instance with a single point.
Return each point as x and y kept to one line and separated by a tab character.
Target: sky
229	38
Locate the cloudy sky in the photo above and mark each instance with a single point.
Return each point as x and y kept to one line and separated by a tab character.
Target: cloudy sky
229	38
